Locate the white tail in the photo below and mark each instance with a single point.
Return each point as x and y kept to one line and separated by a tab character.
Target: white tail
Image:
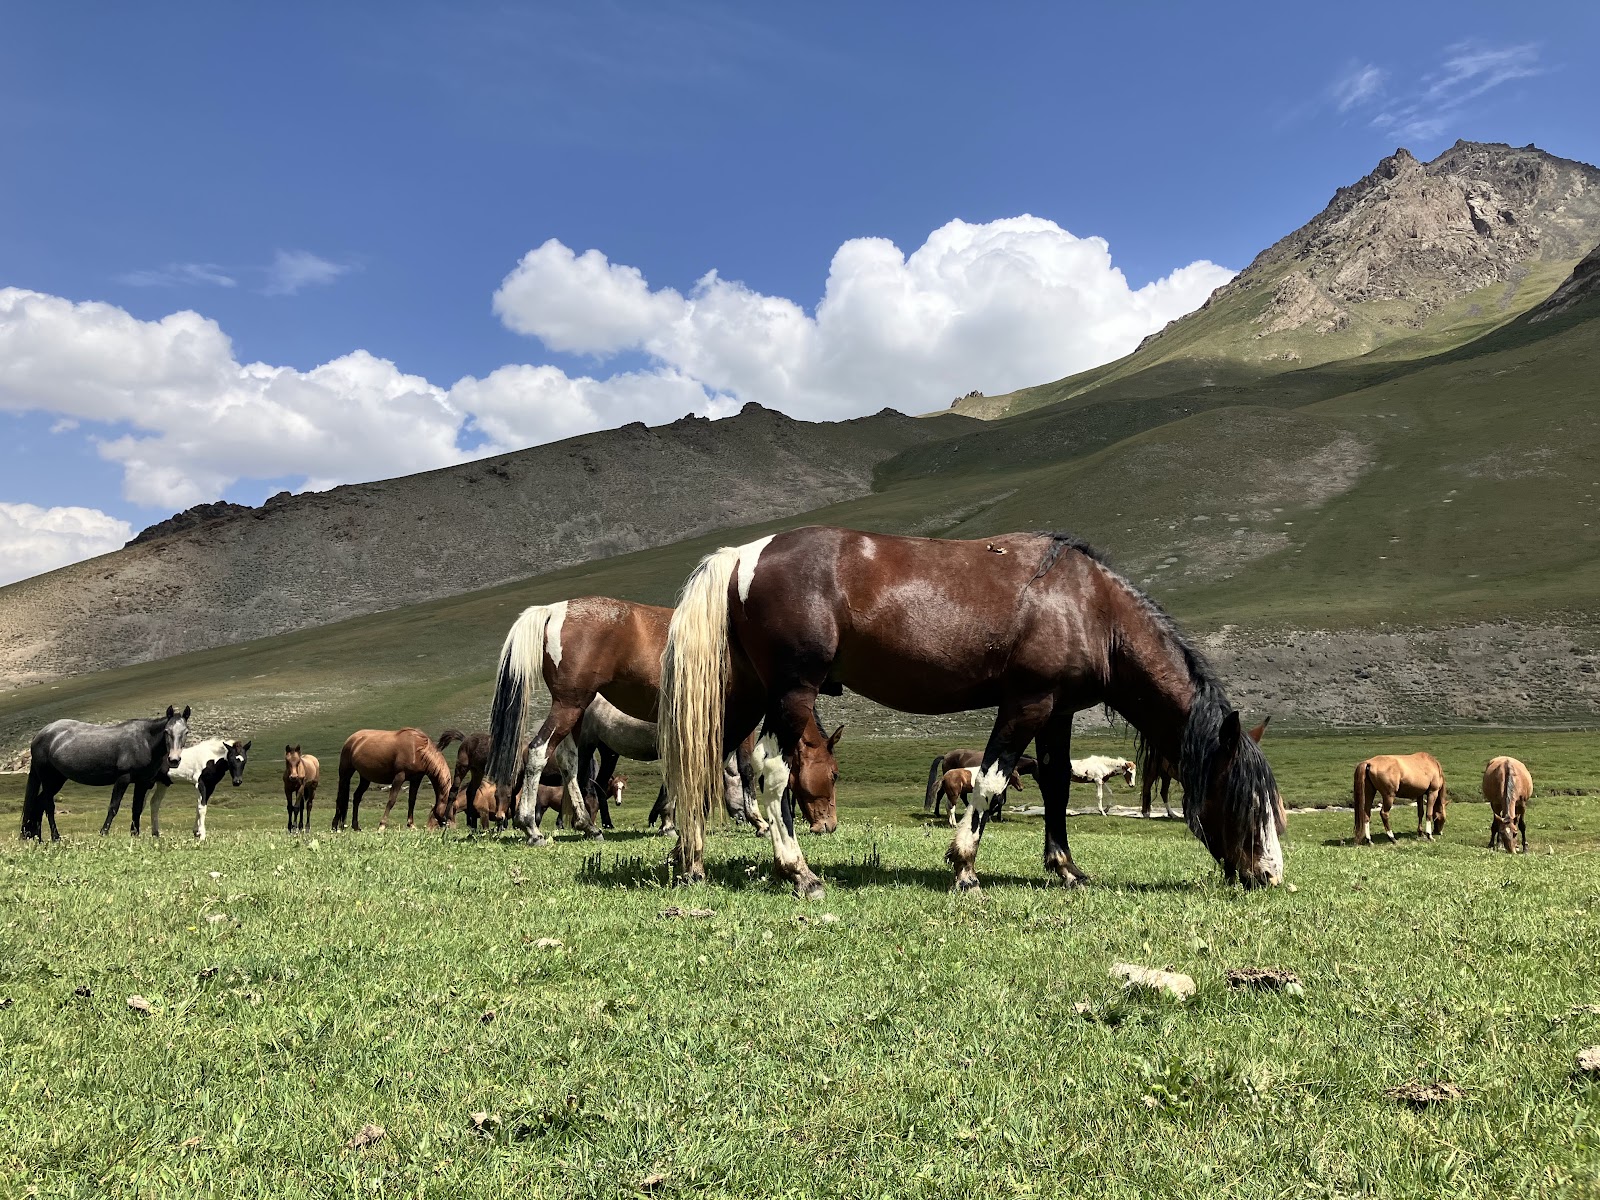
694	688
521	668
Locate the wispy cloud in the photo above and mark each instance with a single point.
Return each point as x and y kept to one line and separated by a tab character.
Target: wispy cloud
180	275
1440	98
1357	85
294	270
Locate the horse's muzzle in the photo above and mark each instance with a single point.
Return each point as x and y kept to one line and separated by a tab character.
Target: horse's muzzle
825	826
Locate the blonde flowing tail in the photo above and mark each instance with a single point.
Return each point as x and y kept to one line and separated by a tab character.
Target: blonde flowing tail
521	668
694	687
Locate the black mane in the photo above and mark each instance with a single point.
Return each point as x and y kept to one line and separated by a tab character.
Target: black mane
1249	784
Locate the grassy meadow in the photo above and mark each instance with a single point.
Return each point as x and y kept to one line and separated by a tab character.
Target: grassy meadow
529	1022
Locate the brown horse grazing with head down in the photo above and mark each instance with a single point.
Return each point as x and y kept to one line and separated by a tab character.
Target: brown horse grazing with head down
581	648
1035	624
1416	777
950	759
1158	770
394	757
465	779
301	774
1507	786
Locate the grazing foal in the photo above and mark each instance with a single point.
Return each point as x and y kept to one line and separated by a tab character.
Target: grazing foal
959	782
301	774
1507	786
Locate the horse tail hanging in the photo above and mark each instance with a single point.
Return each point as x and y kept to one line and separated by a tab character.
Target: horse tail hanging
935	773
694	687
521	667
1363	793
448	736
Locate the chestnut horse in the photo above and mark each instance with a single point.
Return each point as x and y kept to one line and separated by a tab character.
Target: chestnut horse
582	648
1035	624
1507	786
301	774
1416	777
392	756
958	783
1026	765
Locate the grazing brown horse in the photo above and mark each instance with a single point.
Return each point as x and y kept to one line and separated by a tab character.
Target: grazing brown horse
958	783
1507	786
1026	765
1416	777
301	774
1035	624
394	757
1158	770
465	779
581	648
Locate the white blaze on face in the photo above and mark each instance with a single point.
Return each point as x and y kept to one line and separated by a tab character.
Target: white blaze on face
748	554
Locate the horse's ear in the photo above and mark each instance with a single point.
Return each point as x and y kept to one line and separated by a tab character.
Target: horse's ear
288	749
834	740
1228	736
1255	734
185	712
170	712
244	748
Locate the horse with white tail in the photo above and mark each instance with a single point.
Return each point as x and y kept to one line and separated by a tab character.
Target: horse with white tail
581	648
1036	625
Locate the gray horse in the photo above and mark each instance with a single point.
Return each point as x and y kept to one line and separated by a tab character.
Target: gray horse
137	752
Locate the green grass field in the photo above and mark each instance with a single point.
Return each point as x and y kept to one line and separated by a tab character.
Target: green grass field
893	1040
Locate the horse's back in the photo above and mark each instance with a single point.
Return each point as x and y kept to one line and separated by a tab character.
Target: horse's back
312	769
1501	772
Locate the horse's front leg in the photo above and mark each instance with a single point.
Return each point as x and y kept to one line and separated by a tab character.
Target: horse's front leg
1100	796
140	791
411	802
1388	828
1054	746
116	804
394	798
1015	725
773	752
561	721
202	798
355	804
1166	788
1425	816
573	799
159	790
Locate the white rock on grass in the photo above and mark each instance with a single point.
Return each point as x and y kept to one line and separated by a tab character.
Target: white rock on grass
1180	987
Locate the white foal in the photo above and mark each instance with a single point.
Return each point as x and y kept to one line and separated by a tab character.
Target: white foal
203	765
1100	768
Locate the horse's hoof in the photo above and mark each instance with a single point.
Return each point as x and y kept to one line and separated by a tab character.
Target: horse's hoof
810	888
967	887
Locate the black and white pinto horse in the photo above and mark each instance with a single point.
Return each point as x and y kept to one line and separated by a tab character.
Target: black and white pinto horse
204	765
133	752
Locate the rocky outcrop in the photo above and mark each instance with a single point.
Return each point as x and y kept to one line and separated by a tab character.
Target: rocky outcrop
1297	303
1423	234
1582	285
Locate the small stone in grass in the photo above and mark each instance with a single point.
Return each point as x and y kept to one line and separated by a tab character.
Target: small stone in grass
549	944
206	972
1290	887
653	1180
83	991
6	1002
1420	1095
214	874
1180	987
487	1017
1589	1061
370	1135
138	1003
192	1143
485	1122
213	918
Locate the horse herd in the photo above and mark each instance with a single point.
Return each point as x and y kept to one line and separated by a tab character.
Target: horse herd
723	689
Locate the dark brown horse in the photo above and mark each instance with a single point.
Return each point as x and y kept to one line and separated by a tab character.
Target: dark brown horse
1035	624
950	759
471	761
396	757
581	648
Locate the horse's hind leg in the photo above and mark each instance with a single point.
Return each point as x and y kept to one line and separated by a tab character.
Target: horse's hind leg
1054	746
1018	720
116	803
1388	803
394	798
355	804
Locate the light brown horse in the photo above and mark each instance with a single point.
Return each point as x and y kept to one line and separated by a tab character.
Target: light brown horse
392	756
1507	786
581	648
1034	624
1416	777
958	783
1158	770
950	759
301	774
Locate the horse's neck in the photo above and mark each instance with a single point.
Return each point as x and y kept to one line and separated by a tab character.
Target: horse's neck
1151	684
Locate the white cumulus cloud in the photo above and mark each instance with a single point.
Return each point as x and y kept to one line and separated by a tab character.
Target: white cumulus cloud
993	306
34	540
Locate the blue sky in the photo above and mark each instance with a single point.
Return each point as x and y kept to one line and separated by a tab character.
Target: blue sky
320	180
